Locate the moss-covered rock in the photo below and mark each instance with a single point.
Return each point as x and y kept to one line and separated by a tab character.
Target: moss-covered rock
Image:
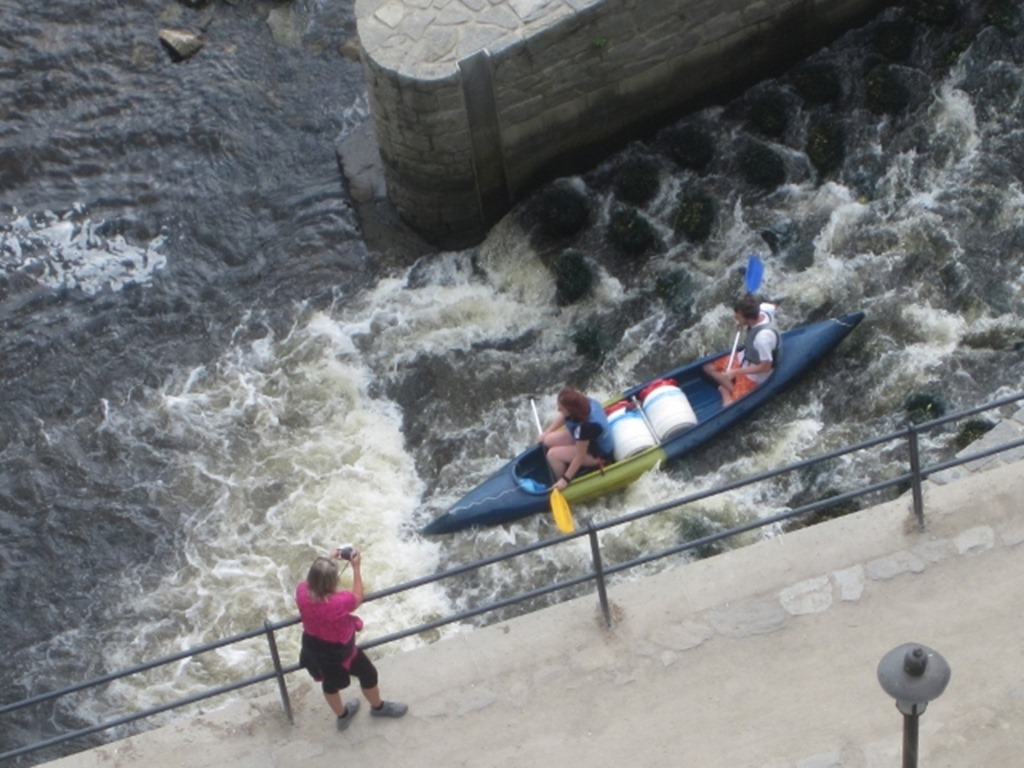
886	92
592	341
637	180
560	210
676	290
936	13
768	114
818	83
762	166
895	39
695	215
973	429
826	144
694	528
1007	16
574	277
822	514
692	147
630	232
923	406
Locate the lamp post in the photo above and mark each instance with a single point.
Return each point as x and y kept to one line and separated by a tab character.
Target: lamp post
913	674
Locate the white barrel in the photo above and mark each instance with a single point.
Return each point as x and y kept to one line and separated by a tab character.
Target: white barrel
669	410
629	433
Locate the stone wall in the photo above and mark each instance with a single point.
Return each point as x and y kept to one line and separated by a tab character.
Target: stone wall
475	102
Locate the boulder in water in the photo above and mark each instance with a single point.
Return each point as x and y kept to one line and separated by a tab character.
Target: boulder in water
180	44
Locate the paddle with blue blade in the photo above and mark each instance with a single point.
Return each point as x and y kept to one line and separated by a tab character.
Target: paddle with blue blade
559	504
754	276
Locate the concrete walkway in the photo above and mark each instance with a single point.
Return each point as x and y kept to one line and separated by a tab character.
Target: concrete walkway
423	38
763	657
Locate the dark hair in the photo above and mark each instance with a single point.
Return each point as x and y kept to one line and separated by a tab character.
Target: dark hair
748	306
575	404
322	579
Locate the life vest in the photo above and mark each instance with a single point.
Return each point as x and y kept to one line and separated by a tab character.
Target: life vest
750	353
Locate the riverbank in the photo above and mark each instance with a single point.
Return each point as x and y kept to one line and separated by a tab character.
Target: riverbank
764	656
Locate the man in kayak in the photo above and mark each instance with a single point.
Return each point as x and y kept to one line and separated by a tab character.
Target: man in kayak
586	440
740	373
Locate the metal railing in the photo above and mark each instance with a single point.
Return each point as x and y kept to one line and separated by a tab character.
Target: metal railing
911	479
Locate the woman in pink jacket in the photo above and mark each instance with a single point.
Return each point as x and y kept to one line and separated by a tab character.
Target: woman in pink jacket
329	650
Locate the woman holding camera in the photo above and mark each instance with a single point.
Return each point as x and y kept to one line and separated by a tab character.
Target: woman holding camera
329	650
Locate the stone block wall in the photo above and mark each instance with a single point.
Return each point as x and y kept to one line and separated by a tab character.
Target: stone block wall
475	102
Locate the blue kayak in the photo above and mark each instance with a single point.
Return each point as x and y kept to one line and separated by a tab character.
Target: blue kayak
660	420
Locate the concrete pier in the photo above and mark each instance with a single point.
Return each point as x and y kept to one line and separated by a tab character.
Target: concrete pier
475	102
763	657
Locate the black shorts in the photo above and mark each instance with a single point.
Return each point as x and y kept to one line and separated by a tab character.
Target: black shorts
337	678
323	661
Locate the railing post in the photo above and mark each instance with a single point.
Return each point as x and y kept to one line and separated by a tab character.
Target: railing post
915	475
602	593
272	642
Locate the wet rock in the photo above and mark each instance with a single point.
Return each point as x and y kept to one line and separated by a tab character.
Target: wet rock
638	180
973	429
351	49
592	341
695	216
676	290
692	147
561	210
895	39
826	145
762	166
923	406
818	83
630	232
768	113
286	27
181	45
574	277
936	13
887	93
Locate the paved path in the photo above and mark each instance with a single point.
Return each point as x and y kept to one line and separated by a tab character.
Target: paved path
763	657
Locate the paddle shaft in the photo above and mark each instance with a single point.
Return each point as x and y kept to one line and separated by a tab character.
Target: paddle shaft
647	421
732	355
540	430
536	416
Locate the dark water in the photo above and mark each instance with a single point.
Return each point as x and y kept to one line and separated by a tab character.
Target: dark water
208	376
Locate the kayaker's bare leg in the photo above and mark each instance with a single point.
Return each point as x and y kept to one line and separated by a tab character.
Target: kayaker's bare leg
560	449
712	371
559	458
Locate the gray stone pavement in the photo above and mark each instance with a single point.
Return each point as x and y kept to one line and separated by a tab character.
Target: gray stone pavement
765	656
428	37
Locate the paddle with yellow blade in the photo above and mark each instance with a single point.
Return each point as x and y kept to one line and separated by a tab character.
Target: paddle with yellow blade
559	505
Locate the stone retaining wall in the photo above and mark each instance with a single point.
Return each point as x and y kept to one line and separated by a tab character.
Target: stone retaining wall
476	101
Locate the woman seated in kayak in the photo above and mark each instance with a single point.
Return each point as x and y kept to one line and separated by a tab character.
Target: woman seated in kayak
740	373
586	440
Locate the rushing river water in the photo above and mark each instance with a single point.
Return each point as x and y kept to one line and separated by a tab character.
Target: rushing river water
208	377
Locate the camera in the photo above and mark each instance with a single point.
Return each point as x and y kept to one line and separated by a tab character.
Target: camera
345	551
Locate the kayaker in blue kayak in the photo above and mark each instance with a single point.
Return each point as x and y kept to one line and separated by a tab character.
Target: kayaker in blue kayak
585	441
741	372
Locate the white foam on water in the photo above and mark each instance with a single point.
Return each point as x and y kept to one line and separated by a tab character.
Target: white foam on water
67	252
280	454
954	119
